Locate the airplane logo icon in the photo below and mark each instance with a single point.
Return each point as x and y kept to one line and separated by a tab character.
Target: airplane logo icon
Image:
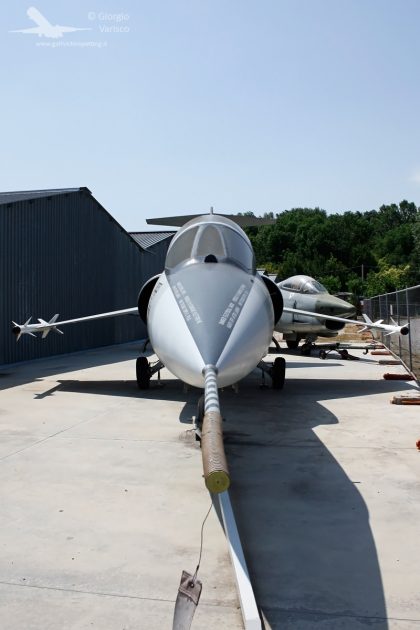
44	28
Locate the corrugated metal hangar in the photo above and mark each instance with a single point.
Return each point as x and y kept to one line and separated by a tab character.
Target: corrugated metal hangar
62	252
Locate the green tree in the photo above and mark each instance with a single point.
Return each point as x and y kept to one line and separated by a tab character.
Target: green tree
331	283
388	278
340	246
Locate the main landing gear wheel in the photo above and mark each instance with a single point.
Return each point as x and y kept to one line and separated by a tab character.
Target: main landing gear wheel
292	344
143	373
200	412
278	373
199	418
306	349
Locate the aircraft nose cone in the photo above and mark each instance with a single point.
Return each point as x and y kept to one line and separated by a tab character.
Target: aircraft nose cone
228	315
331	305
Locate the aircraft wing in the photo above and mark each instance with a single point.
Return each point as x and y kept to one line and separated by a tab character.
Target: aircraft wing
242	221
368	323
71	29
37	30
45	327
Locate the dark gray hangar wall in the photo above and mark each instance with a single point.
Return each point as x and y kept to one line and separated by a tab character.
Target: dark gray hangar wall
62	252
156	243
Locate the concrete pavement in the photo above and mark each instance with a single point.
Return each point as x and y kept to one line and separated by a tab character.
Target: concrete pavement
325	487
102	500
102	497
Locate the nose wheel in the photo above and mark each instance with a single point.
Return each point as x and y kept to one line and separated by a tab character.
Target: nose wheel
276	371
145	371
199	418
306	348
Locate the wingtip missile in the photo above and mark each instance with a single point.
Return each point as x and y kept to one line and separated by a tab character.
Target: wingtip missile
404	329
30	329
389	329
21	329
16	330
48	326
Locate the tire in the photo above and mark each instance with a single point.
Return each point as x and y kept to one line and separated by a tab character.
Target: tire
278	373
200	412
199	419
292	344
322	354
143	373
306	349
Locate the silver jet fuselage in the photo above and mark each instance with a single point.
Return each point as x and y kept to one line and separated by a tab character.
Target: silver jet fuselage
209	306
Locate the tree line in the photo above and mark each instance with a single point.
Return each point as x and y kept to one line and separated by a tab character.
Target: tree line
365	253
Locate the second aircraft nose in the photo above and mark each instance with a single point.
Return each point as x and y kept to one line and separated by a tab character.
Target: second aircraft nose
331	305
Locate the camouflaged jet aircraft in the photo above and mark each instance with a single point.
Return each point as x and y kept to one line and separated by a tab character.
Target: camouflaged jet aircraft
307	294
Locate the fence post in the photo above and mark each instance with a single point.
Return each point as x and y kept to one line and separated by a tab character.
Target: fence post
409	334
397	304
404	309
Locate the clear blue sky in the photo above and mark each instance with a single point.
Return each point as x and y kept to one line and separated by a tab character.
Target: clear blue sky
238	104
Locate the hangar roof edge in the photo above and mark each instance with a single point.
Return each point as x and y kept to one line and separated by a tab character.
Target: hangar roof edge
24	195
30	195
148	239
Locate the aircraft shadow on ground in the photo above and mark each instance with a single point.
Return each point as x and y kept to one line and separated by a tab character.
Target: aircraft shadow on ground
303	524
17	374
170	389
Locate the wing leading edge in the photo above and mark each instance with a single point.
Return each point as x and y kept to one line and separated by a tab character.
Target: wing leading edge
241	220
46	327
368	323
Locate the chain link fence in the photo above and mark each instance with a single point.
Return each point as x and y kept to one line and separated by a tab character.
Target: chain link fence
402	307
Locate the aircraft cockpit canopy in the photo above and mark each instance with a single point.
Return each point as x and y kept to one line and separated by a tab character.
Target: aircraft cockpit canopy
303	284
210	243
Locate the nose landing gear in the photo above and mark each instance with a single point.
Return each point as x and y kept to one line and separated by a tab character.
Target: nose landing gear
145	371
199	418
276	371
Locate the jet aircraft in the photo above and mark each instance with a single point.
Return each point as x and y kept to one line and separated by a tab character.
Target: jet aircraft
306	293
210	319
44	28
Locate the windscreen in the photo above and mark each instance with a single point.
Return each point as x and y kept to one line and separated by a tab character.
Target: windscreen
303	284
210	242
181	248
